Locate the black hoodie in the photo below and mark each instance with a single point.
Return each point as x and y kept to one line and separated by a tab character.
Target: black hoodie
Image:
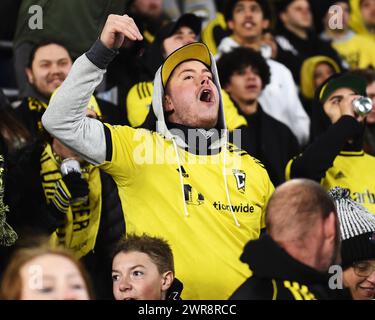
327	140
278	276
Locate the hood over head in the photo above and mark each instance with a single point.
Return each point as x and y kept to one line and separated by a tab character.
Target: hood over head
194	51
307	73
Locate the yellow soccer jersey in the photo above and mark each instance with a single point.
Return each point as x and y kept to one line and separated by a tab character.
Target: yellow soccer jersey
354	171
205	239
139	100
358	52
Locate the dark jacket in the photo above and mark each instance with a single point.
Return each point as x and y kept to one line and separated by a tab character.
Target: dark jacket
31	215
270	141
277	276
292	50
327	141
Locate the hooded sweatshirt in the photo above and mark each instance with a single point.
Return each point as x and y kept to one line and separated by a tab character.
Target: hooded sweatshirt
278	276
205	204
332	161
356	20
139	97
307	73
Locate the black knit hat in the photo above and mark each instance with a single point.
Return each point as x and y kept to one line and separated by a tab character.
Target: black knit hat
282	5
357	228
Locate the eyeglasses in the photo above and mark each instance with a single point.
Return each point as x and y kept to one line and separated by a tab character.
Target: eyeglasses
363	268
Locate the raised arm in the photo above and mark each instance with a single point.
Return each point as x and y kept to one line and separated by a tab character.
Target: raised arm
65	116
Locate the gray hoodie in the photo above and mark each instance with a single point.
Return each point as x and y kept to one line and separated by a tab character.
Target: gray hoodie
65	116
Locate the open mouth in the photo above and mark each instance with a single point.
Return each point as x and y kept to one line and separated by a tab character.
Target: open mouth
206	96
248	24
129	298
368	291
55	80
251	87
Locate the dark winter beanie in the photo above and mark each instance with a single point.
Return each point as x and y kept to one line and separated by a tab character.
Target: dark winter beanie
357	228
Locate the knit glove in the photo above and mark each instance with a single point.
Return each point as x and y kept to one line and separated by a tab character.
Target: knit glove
72	188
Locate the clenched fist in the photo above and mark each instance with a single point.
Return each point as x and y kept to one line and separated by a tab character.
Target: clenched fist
117	29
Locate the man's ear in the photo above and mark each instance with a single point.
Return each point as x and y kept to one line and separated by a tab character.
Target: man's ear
282	17
230	24
167	279
265	24
227	88
329	226
29	75
168	105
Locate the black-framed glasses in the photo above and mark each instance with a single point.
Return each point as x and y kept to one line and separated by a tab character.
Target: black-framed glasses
363	268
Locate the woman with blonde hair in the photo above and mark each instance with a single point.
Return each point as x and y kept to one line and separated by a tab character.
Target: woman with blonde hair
45	273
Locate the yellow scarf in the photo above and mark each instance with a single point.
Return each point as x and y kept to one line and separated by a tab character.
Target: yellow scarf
37	106
81	226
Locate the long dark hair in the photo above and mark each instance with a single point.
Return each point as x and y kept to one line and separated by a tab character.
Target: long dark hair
12	133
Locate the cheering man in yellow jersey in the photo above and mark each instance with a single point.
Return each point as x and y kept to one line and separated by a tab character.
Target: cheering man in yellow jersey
184	182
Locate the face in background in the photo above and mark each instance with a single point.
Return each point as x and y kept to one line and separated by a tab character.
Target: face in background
322	72
191	97
345	16
370	90
136	277
49	68
367	8
333	105
148	8
360	279
181	37
52	277
298	15
245	85
247	21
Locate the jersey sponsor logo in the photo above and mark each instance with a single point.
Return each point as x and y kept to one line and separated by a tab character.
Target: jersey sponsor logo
240	176
247	208
362	197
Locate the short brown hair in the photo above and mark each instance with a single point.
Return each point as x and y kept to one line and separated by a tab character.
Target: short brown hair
11	285
157	249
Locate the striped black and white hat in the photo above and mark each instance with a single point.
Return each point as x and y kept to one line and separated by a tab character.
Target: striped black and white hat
357	228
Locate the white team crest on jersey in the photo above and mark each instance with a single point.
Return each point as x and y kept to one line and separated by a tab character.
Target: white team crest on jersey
240	179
